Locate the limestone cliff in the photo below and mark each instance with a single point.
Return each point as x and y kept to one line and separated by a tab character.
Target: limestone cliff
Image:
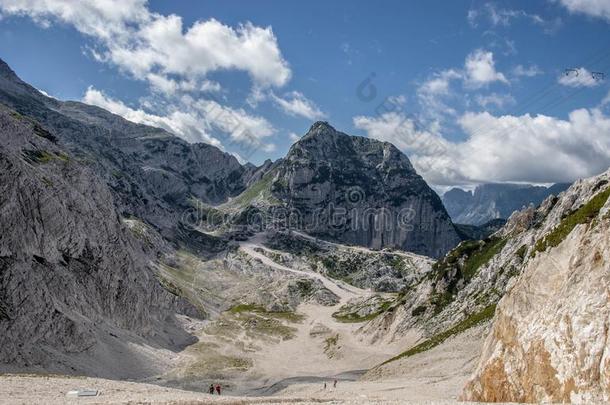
77	292
549	339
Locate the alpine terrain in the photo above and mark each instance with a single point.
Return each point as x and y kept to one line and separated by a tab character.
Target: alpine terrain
144	258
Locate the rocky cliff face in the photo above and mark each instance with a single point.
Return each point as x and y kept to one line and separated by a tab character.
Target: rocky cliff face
549	340
153	174
77	292
491	201
360	191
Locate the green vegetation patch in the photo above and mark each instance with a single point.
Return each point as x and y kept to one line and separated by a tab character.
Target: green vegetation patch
260	188
354	317
583	215
471	321
260	310
417	311
210	363
468	257
331	342
482	256
43	156
461	265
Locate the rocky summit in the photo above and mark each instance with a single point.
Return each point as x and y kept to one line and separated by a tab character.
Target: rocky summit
360	191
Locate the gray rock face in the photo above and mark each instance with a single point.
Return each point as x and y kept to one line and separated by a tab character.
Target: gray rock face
491	201
74	284
153	174
361	191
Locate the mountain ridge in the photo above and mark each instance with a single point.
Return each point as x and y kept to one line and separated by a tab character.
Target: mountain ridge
495	200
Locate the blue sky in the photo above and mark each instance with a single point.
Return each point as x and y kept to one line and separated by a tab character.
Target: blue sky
471	91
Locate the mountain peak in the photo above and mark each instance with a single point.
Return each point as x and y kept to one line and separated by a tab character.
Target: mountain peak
321	125
320	128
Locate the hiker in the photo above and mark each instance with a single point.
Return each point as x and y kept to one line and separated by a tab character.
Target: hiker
335	384
211	390
324	384
218	388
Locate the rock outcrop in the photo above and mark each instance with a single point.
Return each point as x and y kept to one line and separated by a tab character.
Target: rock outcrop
549	340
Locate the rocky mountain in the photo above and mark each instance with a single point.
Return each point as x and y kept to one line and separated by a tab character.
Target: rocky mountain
77	290
354	190
154	174
492	201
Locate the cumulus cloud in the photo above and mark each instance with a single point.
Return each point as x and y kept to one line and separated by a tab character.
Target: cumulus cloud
579	77
241	126
480	69
187	126
396	128
529	71
536	149
153	47
296	104
194	120
594	8
432	93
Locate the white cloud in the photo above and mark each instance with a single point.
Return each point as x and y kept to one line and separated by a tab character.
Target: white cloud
499	100
480	69
401	131
209	86
237	123
187	126
104	19
293	137
529	71
296	104
536	149
193	120
497	16
432	93
594	8
152	46
579	77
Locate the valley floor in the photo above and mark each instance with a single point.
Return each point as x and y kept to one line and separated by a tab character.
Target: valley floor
433	377
259	366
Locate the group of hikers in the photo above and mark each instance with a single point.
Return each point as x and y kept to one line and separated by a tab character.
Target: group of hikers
216	388
334	384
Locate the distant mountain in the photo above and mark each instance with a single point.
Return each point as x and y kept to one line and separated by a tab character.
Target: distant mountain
491	201
356	190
